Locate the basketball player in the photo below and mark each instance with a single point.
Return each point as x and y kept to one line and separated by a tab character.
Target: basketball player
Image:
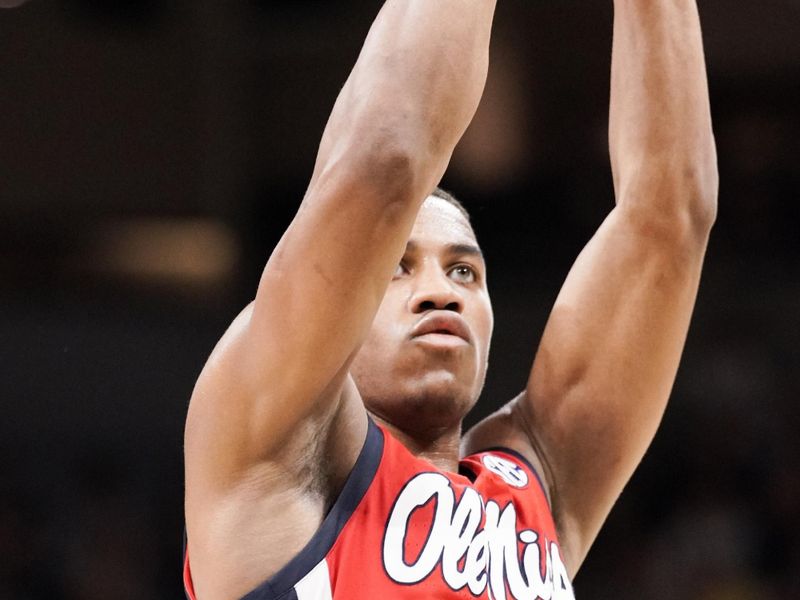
324	452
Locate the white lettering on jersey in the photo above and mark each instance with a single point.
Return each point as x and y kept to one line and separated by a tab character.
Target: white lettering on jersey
512	474
469	557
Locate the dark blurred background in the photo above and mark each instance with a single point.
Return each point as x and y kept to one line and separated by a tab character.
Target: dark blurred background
152	152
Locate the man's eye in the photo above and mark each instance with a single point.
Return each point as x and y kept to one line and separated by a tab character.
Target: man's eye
399	271
463	274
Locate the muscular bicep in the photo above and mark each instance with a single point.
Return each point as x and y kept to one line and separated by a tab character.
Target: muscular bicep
607	362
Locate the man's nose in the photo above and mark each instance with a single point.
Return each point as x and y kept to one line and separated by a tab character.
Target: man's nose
435	291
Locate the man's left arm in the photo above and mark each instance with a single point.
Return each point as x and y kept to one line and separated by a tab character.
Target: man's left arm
611	348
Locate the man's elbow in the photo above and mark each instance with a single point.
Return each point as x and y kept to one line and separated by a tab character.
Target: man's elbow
697	191
394	169
703	206
377	160
674	195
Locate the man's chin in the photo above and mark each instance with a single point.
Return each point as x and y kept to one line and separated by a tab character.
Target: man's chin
428	410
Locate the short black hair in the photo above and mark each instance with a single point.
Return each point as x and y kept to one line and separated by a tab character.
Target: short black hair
449	198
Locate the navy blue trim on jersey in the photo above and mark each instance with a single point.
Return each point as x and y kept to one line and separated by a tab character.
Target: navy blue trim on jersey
281	585
526	462
465	471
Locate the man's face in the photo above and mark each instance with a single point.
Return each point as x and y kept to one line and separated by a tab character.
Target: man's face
423	364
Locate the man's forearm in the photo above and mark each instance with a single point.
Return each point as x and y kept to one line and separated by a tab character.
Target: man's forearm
661	142
417	82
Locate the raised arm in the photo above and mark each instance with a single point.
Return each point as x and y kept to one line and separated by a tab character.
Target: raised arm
276	379
611	348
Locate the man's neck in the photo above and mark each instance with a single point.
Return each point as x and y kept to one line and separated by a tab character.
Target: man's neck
440	447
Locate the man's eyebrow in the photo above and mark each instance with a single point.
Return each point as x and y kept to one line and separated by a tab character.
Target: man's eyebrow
457	249
468	249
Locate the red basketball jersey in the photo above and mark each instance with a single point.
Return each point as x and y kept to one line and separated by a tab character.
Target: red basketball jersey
402	529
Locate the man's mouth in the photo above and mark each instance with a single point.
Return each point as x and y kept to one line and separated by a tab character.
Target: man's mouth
442	328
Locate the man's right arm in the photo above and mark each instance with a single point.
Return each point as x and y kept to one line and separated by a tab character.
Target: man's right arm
280	369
